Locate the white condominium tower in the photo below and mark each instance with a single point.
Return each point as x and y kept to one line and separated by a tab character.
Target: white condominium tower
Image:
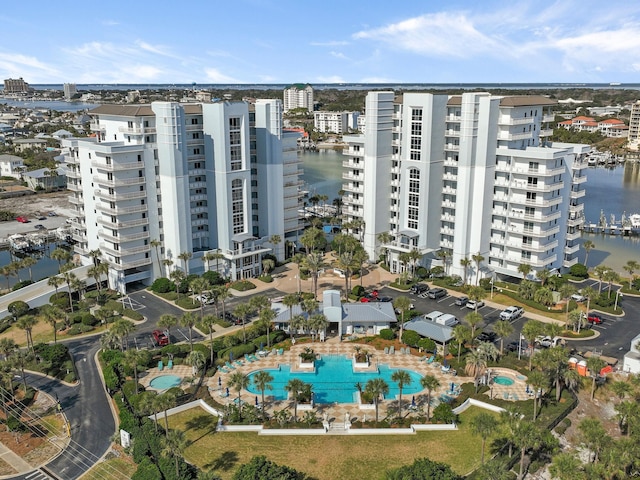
165	179
298	95
462	176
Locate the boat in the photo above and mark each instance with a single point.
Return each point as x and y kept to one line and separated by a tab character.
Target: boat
592	161
19	242
614	84
635	220
36	240
64	234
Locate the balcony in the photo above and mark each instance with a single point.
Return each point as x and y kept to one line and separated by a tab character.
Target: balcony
446	217
196	210
510	137
579	194
133	130
118	182
348	187
450	176
576	208
534	263
133	264
529	247
450	162
579	180
193	127
575	222
76	200
197	171
550	117
195	141
115	167
537	187
575	235
546	132
116	196
452	133
449	190
125	251
106	221
568	263
352	152
123	238
118	210
77	237
352	176
73	173
539	172
506	120
531	232
96	127
452	147
453	118
571	250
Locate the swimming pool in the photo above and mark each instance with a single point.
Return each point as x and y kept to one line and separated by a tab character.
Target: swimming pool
501	380
334	380
164	382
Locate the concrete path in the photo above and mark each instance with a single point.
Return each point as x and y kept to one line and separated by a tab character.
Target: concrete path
13	459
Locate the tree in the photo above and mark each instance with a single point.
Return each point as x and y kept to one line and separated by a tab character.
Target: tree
51	314
121	329
155	243
630	267
376	388
167	321
384	238
311	238
424	469
444	256
275	240
267	265
189	320
478	259
475	364
593	436
621	389
588	245
538	381
60	255
524	269
297	322
318	322
601	272
628	415
196	360
314	263
543	296
298	259
265	319
26	323
185	257
289	301
610	276
238	381
461	334
167	262
543	275
402	378
530	330
177	277
473	319
465	263
477	294
7	347
18	309
69	277
209	321
503	329
28	262
565	466
594	364
174	446
242	311
97	271
526	436
260	467
262	380
483	425
403	305
566	291
199	286
430	383
132	358
296	387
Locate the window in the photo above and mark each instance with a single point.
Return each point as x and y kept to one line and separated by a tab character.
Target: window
235	143
414	198
237	206
416	114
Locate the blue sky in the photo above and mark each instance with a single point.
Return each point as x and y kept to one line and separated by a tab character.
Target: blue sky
360	41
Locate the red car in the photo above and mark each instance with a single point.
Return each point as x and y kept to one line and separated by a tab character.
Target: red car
22	219
594	319
160	338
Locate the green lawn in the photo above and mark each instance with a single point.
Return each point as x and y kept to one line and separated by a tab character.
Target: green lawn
326	457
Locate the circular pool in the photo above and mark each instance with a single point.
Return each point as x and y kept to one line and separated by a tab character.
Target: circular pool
501	380
164	382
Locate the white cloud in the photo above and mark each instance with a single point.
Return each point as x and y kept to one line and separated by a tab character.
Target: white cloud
155	49
215	76
339	55
330	43
331	79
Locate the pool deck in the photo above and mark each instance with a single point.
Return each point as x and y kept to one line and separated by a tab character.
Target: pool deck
335	410
182	371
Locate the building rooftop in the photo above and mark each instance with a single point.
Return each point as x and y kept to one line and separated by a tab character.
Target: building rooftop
432	330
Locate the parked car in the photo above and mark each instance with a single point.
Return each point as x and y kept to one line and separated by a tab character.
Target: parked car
462	301
419	288
42	218
160	338
513	347
22	219
52	214
544	341
472	304
437	293
511	313
398	312
204	298
385	299
594	319
487	337
578	297
39	227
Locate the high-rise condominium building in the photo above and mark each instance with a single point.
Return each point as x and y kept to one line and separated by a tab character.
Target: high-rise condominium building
15	85
634	124
298	95
69	90
163	184
463	176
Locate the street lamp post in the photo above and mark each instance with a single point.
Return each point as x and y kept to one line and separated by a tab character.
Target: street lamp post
491	288
618	294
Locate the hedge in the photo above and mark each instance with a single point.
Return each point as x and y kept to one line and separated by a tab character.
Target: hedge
243	285
132	314
238	351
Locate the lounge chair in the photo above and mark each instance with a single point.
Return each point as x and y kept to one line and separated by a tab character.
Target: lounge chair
160	365
515	397
386	350
239	362
229	366
422	359
392	350
431	359
170	365
281	351
505	395
224	369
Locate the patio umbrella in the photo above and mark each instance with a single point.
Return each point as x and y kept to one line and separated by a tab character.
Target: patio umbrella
453	386
227	391
261	346
256	400
413	401
231	356
219	381
444	362
527	391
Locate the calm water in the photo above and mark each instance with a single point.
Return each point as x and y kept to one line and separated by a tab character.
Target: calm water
614	190
45	267
60	106
334	380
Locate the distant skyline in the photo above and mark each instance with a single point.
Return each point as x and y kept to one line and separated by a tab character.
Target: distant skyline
271	41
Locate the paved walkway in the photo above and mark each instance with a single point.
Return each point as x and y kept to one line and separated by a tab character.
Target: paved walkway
14	460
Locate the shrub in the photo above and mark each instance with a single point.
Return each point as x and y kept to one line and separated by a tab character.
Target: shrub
422	273
18	308
387	334
79	328
603	300
411	338
172	349
214	278
358	290
444	414
56	354
129	388
21	284
132	314
578	270
162	285
265	278
90	320
237	351
423	468
147	470
636	283
427	345
243	285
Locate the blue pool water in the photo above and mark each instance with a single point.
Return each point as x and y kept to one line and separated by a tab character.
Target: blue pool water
334	380
164	382
500	380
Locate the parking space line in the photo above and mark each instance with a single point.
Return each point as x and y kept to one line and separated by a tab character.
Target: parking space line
440	301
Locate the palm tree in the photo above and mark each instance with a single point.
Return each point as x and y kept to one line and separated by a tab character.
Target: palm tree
242	311
174	446
461	334
289	301
478	259
503	329
594	364
96	271
318	322
473	319
177	277
530	330
298	259
630	267
163	403
565	292
196	360
27	263
538	381
295	387
60	255
565	466
430	383
198	286
167	262
524	269
148	405
376	388
477	294
628	415
7	347
69	277
483	425
132	358
402	378
26	323
543	275
314	263
275	241
19	360
601	272
346	263
525	436
509	419
414	257
296	323
465	263
185	257
209	321
265	319
155	243
168	320
621	389
475	364
444	256
384	238
121	329
610	276
588	245
238	381
594	436
262	380
267	265
51	313
403	305
189	320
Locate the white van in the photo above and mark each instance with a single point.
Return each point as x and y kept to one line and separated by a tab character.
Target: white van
433	315
447	320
